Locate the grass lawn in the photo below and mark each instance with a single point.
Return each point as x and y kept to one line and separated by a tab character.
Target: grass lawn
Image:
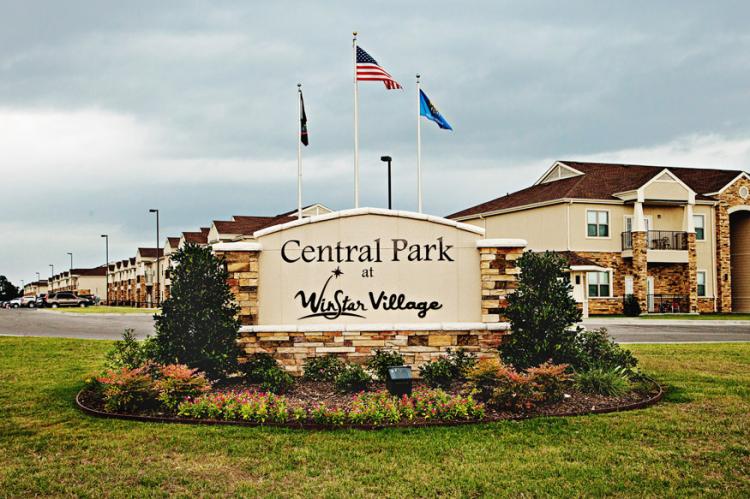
102	309
696	442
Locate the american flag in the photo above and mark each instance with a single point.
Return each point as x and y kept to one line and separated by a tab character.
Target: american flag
368	69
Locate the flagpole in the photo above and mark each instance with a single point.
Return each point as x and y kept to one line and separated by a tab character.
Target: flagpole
356	123
419	149
299	152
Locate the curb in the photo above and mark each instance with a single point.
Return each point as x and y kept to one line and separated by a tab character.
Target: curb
314	426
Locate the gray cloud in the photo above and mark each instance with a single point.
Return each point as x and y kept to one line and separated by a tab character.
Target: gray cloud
109	108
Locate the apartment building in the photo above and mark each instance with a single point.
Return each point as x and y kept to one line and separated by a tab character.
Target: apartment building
242	227
678	239
92	281
35	288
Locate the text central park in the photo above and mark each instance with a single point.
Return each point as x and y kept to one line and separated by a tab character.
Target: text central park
294	251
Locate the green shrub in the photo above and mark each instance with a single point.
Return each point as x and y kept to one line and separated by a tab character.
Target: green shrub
129	352
353	379
178	382
128	390
542	312
631	306
443	371
256	366
198	325
324	368
276	380
596	349
382	360
603	381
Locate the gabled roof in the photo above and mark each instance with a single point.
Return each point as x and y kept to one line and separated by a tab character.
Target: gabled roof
173	242
601	181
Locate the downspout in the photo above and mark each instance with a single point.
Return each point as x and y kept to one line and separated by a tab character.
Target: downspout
713	256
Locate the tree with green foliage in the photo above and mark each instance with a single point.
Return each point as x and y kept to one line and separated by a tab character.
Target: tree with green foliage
198	325
7	290
542	313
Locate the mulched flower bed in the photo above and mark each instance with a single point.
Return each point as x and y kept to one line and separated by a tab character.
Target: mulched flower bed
308	394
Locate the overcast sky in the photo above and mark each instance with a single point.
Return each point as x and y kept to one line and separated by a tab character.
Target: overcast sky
108	109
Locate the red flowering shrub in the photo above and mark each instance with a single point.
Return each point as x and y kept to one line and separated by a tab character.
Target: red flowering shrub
126	390
503	387
177	382
552	380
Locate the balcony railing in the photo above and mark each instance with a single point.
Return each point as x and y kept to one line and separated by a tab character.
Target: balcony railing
668	304
659	240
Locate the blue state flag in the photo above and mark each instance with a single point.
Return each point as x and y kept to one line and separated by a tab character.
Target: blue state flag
430	112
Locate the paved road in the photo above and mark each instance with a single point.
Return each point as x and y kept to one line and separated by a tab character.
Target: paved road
26	322
667	331
30	322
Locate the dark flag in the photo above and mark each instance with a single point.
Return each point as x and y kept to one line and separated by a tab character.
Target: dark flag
302	121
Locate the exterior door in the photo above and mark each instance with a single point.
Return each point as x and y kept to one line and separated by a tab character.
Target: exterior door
578	281
650	293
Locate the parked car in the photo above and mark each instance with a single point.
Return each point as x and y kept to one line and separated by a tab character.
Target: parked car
66	299
22	301
39	302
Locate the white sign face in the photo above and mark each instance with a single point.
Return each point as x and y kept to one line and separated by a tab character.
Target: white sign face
369	269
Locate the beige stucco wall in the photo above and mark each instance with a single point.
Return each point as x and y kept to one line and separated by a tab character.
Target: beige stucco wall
454	284
544	228
661	190
95	285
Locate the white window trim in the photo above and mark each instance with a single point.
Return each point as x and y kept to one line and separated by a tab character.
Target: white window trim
586	224
705	282
704	228
611	284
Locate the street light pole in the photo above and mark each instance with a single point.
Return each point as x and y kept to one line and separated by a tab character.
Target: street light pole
388	160
51	277
106	263
70	274
156	285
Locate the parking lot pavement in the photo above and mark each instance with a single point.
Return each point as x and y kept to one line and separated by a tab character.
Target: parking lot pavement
35	322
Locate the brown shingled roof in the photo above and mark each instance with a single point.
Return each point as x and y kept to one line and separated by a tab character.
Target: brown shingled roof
173	241
151	252
602	181
197	237
102	270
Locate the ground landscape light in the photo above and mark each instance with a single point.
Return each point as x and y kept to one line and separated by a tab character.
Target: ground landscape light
399	382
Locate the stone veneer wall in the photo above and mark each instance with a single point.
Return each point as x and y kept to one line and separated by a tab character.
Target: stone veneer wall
293	346
499	276
727	199
243	282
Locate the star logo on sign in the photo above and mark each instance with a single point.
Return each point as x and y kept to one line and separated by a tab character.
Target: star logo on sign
337	272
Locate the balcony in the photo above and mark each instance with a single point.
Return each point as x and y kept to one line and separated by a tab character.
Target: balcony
664	246
668	304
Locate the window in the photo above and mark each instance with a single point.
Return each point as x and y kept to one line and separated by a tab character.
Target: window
597	223
701	283
700	227
598	284
628	284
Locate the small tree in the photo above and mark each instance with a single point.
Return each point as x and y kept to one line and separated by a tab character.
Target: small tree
7	290
198	325
541	312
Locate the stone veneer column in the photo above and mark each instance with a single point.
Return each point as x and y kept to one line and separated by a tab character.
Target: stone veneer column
692	273
723	259
499	274
640	268
241	260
